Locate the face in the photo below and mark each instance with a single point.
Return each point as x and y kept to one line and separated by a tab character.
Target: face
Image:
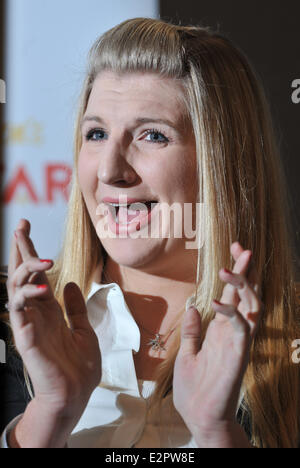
127	152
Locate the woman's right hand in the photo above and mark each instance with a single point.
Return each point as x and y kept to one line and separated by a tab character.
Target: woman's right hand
64	363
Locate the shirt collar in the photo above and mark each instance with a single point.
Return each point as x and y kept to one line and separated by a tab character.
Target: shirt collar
95	287
106	303
117	333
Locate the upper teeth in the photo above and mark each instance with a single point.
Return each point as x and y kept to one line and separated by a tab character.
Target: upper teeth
128	204
119	204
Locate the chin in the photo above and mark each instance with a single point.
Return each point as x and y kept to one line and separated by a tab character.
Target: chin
133	253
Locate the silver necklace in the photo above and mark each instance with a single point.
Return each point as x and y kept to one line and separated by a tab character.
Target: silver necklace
159	341
156	343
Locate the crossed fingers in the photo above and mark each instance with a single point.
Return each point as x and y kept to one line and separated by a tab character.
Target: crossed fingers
26	274
241	298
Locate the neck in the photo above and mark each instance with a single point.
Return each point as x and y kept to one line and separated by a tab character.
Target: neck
154	299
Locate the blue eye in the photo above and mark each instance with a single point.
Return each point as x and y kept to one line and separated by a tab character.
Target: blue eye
90	135
156	132
96	133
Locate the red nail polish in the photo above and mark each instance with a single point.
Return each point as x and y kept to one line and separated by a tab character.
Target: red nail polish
217	302
45	261
41	286
227	271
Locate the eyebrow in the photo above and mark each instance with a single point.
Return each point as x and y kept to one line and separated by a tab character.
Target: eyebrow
138	120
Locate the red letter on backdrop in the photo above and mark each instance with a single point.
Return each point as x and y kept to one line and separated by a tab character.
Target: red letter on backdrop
53	184
19	179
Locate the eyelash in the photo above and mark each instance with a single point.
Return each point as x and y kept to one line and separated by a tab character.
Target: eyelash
89	134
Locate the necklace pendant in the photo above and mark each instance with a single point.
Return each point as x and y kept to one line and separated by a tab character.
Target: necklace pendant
156	343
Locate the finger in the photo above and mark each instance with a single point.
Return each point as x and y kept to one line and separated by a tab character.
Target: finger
76	307
250	305
243	262
236	280
229	295
250	310
190	332
26	269
21	300
251	273
239	323
246	292
28	252
25	245
15	258
236	250
27	292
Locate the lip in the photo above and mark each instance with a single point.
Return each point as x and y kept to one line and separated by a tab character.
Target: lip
124	199
125	229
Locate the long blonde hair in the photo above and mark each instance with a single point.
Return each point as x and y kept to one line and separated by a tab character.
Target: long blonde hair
243	187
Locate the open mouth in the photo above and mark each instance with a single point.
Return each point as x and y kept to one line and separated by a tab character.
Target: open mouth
131	212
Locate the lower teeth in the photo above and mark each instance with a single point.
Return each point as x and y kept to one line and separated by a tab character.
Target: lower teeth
121	224
126	224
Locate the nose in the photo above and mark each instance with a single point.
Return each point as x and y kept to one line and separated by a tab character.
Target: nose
114	166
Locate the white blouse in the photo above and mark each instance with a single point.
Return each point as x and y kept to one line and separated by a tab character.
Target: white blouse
117	414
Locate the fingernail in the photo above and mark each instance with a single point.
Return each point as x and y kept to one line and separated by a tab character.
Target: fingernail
45	261
227	271
190	303
41	286
217	302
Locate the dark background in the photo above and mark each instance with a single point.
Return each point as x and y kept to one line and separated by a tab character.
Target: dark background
2	76
269	33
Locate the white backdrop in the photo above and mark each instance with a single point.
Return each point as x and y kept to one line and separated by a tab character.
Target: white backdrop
46	49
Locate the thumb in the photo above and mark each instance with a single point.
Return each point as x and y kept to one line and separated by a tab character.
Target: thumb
190	332
76	307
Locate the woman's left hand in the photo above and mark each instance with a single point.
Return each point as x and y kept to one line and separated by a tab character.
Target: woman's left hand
207	381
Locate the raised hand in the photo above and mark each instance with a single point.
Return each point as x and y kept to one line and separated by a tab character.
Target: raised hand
207	382
64	363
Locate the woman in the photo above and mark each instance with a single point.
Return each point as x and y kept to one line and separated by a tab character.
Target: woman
219	375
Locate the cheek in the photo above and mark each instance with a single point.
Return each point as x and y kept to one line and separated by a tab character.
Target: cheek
178	176
187	180
87	174
86	186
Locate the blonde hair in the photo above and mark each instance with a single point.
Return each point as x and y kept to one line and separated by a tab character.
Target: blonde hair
241	182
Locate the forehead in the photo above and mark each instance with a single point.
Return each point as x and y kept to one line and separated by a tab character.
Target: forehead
143	91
